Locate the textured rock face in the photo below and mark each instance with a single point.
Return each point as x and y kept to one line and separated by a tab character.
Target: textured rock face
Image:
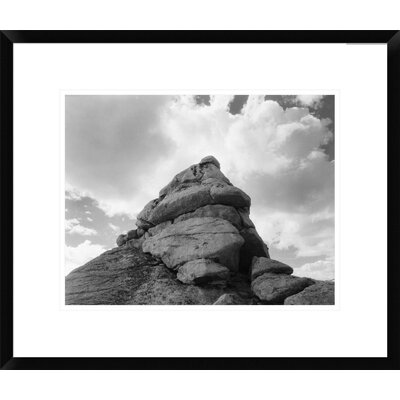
197	238
126	275
229	195
227	213
321	293
177	203
202	271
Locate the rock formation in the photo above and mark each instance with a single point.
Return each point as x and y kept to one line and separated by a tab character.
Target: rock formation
194	244
199	215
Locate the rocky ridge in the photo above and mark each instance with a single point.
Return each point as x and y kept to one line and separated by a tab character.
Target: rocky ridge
194	244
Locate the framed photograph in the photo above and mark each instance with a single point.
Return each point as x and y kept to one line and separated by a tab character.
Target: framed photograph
199	199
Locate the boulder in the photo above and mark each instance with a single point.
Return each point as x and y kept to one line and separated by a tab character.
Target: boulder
275	288
212	238
263	265
229	195
121	240
321	293
202	271
216	211
178	203
195	174
142	220
132	234
253	246
211	160
210	174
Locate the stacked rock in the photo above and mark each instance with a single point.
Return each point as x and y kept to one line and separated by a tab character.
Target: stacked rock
199	226
272	281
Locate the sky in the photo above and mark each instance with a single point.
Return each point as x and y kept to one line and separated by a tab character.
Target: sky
120	150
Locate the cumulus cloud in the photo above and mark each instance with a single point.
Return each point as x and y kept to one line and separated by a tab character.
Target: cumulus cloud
321	270
263	139
221	101
79	255
73	226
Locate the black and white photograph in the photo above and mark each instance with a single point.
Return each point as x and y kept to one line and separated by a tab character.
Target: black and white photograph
152	178
188	199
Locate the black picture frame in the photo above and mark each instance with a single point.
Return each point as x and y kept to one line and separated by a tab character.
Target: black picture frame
7	40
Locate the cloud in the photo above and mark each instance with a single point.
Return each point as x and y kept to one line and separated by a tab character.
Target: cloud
310	100
89	219
263	139
79	255
87	212
72	194
72	226
70	223
115	228
274	154
321	270
310	235
221	102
